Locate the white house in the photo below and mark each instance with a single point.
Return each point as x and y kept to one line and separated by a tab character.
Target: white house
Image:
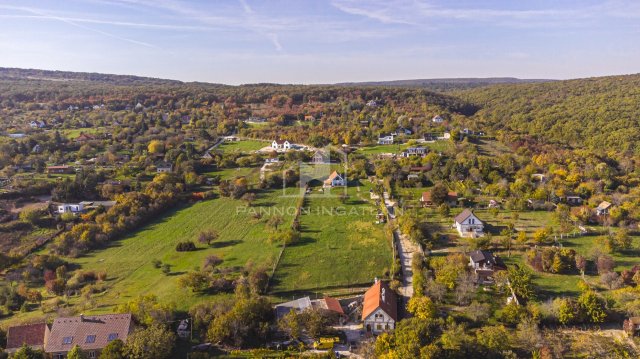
280	145
437	119
319	158
385	140
335	180
164	167
603	208
37	124
414	151
445	136
231	139
74	208
380	308
468	225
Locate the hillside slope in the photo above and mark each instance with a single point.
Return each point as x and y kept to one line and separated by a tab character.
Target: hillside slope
445	84
598	113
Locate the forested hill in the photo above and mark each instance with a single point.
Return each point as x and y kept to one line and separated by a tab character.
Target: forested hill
446	84
34	74
598	113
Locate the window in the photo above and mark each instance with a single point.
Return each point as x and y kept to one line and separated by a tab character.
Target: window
92	354
67	340
378	326
113	336
91	339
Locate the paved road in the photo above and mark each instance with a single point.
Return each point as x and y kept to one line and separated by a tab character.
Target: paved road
406	249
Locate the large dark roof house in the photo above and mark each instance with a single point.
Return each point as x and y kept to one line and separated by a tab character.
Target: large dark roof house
484	264
31	335
90	333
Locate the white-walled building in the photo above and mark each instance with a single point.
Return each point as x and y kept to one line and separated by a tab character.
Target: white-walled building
380	308
468	225
280	145
74	208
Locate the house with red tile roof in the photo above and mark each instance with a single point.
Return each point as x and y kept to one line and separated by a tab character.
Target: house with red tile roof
32	335
335	180
380	308
90	333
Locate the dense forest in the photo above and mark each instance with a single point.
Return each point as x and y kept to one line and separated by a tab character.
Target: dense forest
602	114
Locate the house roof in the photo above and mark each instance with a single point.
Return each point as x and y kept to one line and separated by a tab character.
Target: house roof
58	167
88	332
280	142
453	195
380	296
634	320
464	215
604	205
479	256
328	303
332	176
333	305
298	305
426	196
32	335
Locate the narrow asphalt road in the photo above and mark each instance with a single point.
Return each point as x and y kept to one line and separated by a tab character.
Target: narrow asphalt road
406	249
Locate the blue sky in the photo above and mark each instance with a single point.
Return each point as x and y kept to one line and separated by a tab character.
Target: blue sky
318	41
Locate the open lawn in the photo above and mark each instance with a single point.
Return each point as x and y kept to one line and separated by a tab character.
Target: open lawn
128	262
396	148
75	132
340	245
251	173
243	146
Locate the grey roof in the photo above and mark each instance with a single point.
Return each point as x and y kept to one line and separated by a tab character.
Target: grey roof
479	256
463	215
299	305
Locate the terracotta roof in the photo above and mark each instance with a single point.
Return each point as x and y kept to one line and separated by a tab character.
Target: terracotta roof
452	195
463	215
333	305
634	320
426	196
33	335
88	332
380	296
332	176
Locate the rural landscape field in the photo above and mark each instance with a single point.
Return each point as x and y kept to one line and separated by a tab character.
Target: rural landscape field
331	179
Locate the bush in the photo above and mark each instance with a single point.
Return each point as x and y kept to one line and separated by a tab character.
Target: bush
187	246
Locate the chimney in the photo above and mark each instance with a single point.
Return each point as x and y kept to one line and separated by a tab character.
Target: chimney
375	280
82	317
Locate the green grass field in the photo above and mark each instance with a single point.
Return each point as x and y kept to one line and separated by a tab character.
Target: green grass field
251	173
75	132
243	146
438	146
340	246
128	262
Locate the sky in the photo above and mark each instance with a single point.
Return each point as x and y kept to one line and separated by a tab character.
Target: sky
323	41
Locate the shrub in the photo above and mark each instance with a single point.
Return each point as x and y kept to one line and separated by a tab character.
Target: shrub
186	246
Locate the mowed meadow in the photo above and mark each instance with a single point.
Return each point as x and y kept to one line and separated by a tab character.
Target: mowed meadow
243	239
341	246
